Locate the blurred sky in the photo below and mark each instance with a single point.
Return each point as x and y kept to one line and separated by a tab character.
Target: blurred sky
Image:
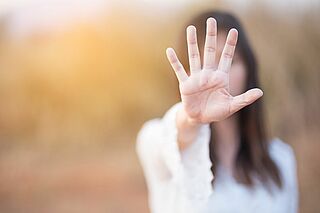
7	5
27	16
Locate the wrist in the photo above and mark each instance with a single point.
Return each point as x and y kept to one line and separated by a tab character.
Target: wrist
187	120
188	129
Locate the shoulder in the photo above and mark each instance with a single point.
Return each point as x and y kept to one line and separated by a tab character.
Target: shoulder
280	150
284	156
278	144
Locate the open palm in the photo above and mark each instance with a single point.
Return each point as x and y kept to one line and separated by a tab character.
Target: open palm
205	92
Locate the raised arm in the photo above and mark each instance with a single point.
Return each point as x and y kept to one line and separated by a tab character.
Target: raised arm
205	92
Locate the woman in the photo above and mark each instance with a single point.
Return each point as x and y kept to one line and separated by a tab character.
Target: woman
210	152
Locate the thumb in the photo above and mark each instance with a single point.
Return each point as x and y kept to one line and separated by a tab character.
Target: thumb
240	101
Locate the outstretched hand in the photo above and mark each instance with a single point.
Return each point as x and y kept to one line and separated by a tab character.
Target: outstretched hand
205	92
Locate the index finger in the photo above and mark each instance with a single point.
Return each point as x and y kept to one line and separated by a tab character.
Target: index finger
228	51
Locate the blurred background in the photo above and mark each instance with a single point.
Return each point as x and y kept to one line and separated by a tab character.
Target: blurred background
78	78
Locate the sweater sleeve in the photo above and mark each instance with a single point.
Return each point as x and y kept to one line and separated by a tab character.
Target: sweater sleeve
188	171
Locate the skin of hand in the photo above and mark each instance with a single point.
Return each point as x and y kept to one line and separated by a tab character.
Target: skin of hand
205	93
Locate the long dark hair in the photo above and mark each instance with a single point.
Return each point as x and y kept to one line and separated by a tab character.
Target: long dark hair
252	157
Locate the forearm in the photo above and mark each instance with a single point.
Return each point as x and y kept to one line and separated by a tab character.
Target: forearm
188	130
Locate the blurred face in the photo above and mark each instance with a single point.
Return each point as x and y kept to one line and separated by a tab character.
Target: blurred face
238	68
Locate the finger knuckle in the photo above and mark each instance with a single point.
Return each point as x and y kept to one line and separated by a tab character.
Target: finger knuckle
227	55
210	49
194	55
